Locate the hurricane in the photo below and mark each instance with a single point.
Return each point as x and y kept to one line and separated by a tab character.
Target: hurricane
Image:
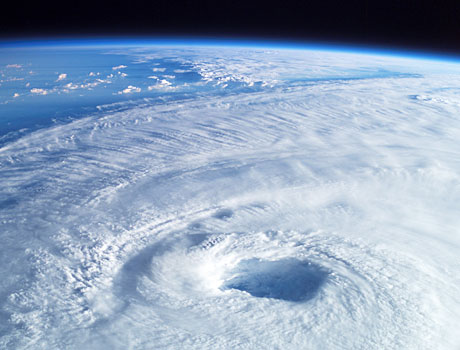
228	197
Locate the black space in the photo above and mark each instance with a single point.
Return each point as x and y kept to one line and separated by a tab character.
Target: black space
408	24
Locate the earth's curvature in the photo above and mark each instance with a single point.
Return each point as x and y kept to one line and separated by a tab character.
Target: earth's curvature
228	197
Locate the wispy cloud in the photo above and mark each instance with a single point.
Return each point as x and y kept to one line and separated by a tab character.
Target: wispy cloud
13	79
121	66
14	65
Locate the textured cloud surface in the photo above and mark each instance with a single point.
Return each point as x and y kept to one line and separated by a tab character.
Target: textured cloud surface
314	206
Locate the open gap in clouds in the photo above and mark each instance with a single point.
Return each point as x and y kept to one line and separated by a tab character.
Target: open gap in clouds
288	279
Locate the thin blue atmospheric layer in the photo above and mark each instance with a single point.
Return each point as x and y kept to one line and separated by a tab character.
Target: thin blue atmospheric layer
250	43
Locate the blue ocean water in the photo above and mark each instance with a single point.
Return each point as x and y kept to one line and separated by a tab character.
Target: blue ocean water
40	86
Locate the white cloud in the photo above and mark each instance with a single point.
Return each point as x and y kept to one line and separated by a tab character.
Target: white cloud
121	66
181	71
89	86
92	74
15	95
152	77
129	89
39	91
61	77
158	69
28	84
162	85
164	82
71	86
14	65
169	76
123	74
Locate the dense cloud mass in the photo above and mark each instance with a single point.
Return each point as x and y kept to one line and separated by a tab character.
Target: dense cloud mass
288	199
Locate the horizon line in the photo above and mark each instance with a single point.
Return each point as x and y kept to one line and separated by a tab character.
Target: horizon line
226	41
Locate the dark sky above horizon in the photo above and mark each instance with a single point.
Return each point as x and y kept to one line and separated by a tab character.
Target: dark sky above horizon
409	24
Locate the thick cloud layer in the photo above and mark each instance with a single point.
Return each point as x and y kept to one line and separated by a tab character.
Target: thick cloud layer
315	205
